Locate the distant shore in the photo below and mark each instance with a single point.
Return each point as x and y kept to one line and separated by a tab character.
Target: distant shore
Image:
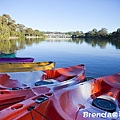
58	38
40	37
33	37
25	37
13	38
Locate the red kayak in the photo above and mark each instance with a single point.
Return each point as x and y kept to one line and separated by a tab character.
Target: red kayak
12	91
97	99
63	74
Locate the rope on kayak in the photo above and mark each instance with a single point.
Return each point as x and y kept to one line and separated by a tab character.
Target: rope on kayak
81	106
29	109
32	108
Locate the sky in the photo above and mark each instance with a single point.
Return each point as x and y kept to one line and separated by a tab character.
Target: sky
64	15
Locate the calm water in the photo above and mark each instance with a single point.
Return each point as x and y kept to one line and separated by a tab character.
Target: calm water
100	59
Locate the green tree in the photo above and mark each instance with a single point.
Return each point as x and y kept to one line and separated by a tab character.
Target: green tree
29	32
103	32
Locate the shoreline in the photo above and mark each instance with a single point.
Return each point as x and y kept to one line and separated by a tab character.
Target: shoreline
13	38
25	37
28	37
58	38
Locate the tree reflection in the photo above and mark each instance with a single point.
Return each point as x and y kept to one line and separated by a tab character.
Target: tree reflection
12	45
97	42
9	46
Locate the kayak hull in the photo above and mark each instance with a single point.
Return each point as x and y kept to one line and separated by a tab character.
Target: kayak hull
26	66
12	91
16	59
90	100
70	103
5	55
63	74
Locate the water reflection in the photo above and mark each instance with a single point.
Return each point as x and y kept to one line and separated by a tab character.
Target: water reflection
9	46
98	42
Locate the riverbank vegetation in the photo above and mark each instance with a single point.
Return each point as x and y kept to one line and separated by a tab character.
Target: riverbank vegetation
10	29
102	34
97	34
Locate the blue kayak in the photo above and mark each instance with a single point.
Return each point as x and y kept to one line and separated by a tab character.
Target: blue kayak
5	55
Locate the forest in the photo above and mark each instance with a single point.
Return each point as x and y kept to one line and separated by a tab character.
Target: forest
9	28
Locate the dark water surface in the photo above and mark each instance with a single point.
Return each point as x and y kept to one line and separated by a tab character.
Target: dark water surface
100	59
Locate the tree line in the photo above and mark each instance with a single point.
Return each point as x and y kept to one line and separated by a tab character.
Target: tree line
99	34
102	34
9	28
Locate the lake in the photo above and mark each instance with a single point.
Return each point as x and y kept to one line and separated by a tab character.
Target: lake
100	57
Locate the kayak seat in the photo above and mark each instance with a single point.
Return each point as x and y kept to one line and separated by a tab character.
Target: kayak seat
104	104
43	82
88	78
41	99
16	88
